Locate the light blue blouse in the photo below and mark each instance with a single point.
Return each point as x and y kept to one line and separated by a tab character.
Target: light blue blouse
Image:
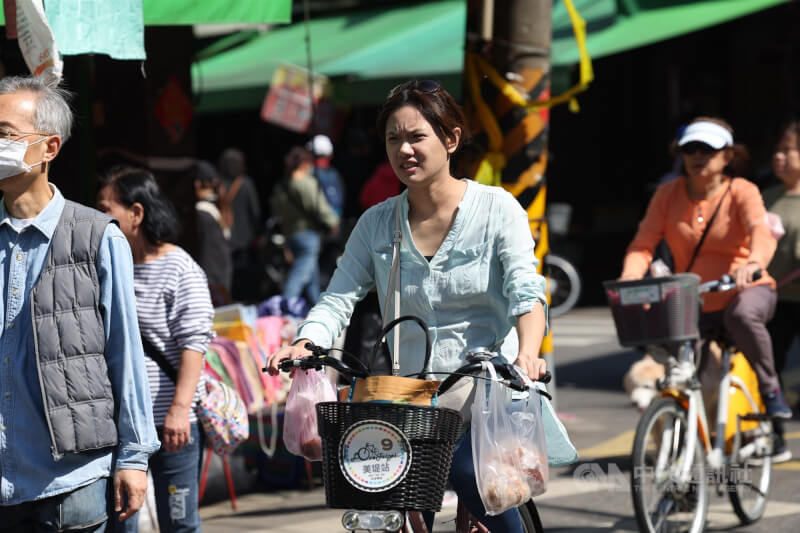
482	277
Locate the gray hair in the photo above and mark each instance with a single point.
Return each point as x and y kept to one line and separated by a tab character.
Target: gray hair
53	114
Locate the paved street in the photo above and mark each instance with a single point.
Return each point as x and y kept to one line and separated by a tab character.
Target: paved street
595	410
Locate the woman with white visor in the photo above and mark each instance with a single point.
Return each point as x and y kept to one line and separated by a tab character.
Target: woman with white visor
708	200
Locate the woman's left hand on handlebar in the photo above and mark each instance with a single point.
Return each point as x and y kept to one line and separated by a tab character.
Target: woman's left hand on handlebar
534	366
287	352
743	276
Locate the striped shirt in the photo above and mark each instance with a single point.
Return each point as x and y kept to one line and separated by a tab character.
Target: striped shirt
175	314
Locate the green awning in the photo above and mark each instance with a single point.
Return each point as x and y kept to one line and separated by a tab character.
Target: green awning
376	48
614	26
189	12
408	41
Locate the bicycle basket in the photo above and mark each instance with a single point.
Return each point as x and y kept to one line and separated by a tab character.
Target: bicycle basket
372	476
674	307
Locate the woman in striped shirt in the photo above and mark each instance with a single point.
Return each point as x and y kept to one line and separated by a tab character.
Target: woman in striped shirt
175	322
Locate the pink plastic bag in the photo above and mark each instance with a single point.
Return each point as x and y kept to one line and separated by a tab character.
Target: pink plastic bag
300	433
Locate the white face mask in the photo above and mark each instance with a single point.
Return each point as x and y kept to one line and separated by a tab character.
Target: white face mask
12	157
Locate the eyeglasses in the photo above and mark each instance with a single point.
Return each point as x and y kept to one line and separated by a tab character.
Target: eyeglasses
694	147
423	86
11	135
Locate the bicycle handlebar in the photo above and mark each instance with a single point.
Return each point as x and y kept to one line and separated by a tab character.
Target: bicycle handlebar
319	357
506	370
724	283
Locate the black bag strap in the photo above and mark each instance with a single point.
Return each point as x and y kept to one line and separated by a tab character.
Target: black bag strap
156	355
708	227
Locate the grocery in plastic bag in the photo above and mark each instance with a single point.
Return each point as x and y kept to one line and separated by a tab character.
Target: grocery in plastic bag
496	448
300	434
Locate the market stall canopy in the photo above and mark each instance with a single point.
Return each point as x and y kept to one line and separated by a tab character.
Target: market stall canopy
189	12
614	26
377	48
425	39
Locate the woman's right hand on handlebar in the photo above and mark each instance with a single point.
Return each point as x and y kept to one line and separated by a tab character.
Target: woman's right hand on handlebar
628	276
292	351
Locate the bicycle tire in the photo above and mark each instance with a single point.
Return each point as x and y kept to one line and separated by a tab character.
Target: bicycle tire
738	481
531	522
675	500
565	284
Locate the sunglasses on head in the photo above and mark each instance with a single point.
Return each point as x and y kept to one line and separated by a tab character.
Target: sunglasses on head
423	86
694	147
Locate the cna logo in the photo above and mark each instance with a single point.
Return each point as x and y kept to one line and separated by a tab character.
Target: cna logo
611	478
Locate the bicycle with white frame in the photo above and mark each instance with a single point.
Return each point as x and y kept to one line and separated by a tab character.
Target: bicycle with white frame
678	453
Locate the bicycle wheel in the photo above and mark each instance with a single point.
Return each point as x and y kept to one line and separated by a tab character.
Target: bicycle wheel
531	523
748	482
660	503
565	284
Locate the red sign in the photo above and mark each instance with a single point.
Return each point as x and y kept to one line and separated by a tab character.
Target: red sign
174	110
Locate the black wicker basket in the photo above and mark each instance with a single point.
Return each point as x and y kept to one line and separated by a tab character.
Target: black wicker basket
432	434
655	310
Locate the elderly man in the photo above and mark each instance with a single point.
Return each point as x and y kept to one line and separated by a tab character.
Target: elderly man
74	400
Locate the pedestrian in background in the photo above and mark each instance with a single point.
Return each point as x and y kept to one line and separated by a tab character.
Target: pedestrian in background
175	321
75	404
304	212
241	215
332	185
329	178
382	184
213	248
783	200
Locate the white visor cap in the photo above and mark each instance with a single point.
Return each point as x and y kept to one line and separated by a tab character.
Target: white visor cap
321	145
712	134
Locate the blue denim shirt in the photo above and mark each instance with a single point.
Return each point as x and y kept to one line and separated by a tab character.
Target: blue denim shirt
481	278
27	468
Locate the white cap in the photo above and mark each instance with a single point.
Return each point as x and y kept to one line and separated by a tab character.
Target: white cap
706	132
321	145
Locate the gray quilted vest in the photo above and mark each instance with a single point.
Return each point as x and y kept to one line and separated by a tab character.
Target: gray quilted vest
69	337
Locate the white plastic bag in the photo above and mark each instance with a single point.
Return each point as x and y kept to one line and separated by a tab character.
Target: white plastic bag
496	448
528	425
36	42
300	434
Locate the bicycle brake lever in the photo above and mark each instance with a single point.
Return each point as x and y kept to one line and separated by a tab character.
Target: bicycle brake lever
516	384
316	350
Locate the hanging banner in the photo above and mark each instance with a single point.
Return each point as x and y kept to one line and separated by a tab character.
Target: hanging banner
112	27
36	42
288	102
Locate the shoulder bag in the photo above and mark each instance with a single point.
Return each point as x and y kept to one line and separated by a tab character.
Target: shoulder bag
221	411
708	227
395	388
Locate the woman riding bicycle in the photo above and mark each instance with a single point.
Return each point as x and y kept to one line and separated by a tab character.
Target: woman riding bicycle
715	224
466	260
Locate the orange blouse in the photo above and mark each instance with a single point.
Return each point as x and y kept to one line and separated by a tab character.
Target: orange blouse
739	234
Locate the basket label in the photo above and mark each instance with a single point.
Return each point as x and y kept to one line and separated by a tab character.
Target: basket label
641	294
374	455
